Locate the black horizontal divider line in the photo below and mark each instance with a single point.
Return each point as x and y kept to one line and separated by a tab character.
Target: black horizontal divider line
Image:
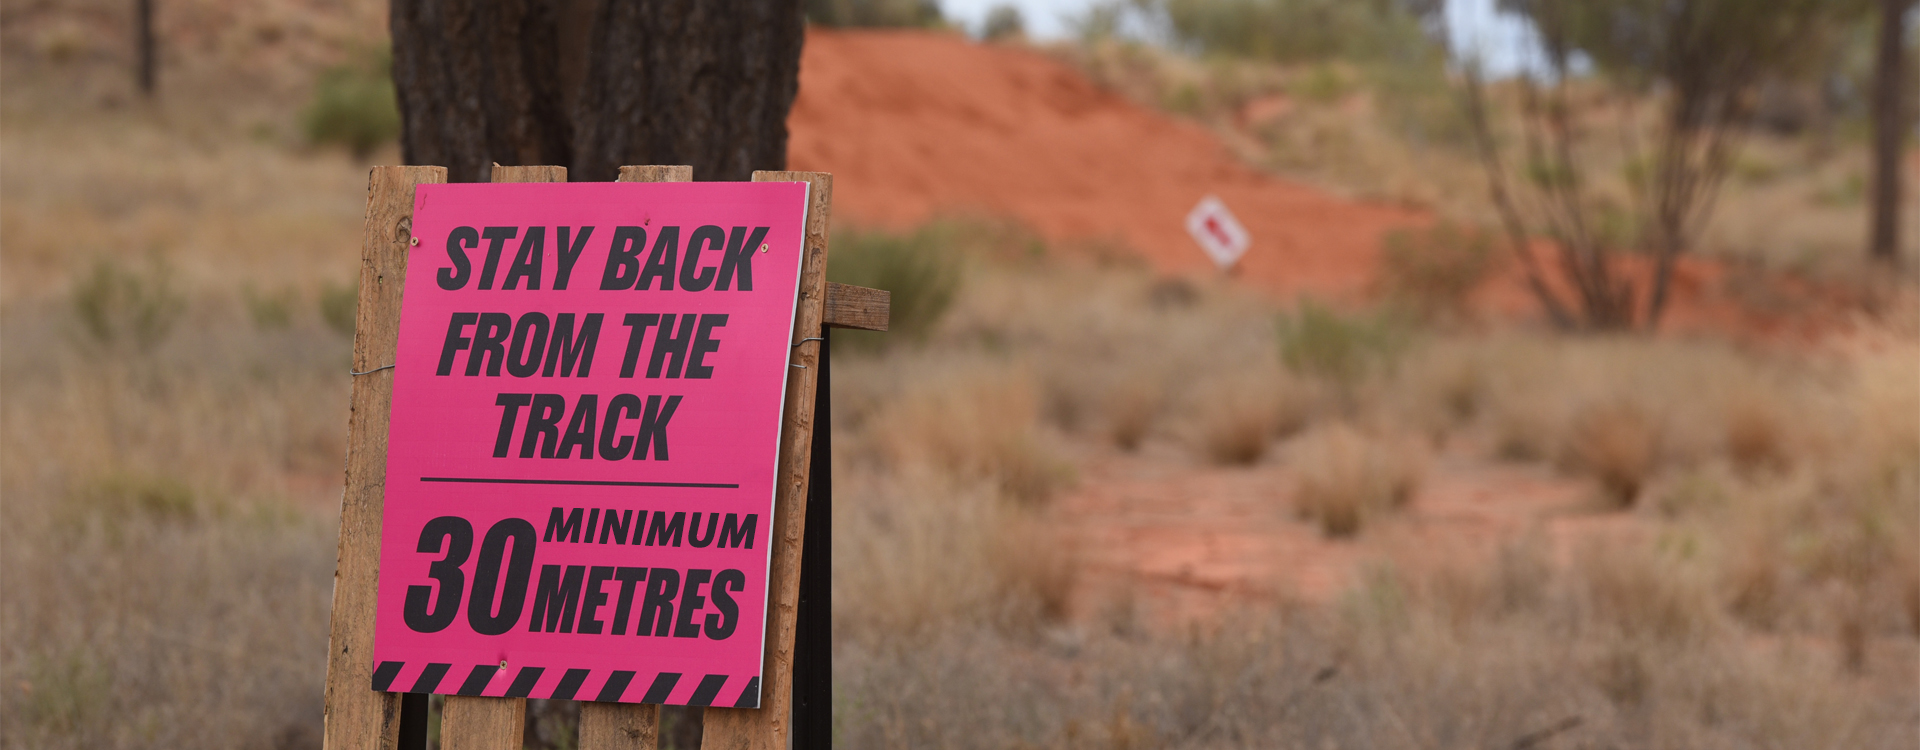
590	482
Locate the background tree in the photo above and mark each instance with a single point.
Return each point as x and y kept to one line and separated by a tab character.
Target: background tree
1892	119
1701	61
595	84
1003	22
869	13
143	74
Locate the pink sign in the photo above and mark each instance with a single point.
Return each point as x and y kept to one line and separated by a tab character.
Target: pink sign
585	425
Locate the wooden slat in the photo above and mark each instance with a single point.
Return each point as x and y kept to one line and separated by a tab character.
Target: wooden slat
628	726
619	726
673	173
357	717
478	722
468	722
529	174
850	306
766	728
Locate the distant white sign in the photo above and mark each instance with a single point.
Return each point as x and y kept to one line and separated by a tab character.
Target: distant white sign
1218	233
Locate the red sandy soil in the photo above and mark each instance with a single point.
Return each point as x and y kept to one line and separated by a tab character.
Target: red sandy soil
915	124
1189	539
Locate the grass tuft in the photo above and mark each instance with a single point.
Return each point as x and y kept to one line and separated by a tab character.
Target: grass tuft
1618	444
1348	478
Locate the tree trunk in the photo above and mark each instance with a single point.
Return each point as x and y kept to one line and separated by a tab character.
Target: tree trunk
679	82
1890	124
596	84
143	46
477	84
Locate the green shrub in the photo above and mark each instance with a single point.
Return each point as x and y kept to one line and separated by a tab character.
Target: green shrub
920	269
1434	271
272	310
354	106
1319	342
1324	84
119	304
1290	31
120	494
1003	22
339	303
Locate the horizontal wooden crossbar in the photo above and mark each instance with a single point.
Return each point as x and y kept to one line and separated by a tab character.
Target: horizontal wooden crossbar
851	306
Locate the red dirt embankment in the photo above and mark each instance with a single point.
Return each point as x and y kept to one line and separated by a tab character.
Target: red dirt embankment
914	123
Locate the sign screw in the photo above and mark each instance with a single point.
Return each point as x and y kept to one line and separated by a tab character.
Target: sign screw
763	248
503	663
413	241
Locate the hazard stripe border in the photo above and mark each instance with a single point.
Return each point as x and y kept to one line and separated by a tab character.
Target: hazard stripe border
561	683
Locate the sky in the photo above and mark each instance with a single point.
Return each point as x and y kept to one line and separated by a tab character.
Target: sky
1505	43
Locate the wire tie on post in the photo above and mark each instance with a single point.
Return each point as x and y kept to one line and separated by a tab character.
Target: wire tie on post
797	344
369	372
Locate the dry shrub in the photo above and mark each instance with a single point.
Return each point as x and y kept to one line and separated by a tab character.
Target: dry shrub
925	555
1757	436
1523	432
974	424
1620	408
1444	388
1348	478
1120	406
1697	493
1034	572
1618	444
1756	586
1884	396
1640	593
1130	408
1237	416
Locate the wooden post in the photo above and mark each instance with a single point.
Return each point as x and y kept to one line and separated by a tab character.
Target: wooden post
813	629
766	728
357	717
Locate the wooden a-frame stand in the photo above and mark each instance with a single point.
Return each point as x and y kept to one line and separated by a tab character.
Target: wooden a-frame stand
359	718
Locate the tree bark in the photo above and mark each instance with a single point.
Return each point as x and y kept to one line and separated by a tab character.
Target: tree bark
596	84
477	84
1890	123
143	74
677	82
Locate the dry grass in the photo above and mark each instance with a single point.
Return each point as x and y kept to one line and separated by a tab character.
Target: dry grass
1618	444
1757	435
973	423
1348	478
166	539
1238	416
